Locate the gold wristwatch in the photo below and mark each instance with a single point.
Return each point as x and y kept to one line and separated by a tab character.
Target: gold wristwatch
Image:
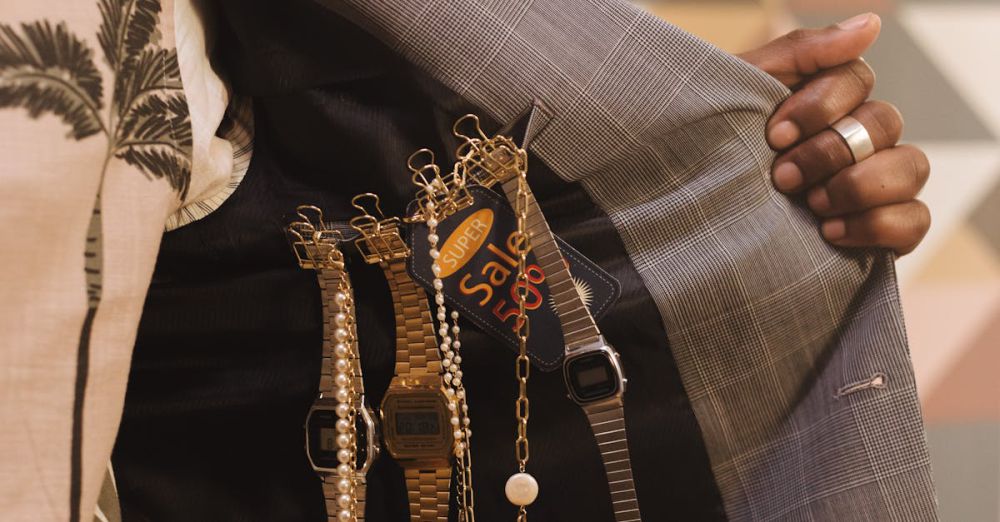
591	367
339	421
416	409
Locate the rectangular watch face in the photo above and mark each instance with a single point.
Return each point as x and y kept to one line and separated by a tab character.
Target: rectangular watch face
321	439
592	377
416	424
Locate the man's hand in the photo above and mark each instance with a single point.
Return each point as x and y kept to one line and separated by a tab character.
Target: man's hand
872	203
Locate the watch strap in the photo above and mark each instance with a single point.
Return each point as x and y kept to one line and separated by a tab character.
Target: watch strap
607	421
578	326
428	491
416	345
330	494
417	354
331	281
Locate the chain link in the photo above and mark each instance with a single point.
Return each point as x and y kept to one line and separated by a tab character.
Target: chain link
523	364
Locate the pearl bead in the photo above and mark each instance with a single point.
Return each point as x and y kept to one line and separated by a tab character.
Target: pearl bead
435	253
343	425
458	373
344	485
454	421
341	380
458	434
455	329
460	394
344	501
442	316
466	421
342	365
453	368
439	299
344	516
432	222
458	358
451	406
457	344
340	298
521	489
465	408
344	470
446	340
343	395
433	238
438	284
436	268
343	440
344	456
454	315
341	350
340	319
340	334
343	411
430	204
447	377
449	392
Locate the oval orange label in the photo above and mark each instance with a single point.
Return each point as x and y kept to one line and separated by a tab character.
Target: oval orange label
462	245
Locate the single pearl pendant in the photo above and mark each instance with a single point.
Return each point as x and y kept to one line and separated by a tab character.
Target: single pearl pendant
521	489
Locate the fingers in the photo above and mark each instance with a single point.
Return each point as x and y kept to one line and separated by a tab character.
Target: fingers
826	153
892	176
900	227
804	52
827	97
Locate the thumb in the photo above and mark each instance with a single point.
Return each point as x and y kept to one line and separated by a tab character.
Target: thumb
804	52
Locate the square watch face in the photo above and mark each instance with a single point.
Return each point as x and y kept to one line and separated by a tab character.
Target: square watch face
321	437
416	424
592	377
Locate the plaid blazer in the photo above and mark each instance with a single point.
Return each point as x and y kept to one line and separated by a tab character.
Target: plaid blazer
793	353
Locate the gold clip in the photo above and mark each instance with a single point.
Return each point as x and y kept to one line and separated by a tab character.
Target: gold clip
380	239
448	193
315	245
486	160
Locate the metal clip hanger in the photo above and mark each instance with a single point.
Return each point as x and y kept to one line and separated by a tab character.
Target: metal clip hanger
314	243
380	239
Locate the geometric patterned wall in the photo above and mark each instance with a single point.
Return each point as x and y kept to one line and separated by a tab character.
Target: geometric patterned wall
939	62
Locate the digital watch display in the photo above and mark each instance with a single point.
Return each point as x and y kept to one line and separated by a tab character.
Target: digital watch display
415	420
321	436
592	376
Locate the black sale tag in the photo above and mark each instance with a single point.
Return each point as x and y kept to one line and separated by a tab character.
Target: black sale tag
479	268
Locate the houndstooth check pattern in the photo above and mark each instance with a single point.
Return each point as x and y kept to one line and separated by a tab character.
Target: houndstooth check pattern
778	337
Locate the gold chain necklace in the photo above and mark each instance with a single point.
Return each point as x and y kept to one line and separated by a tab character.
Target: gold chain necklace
488	161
